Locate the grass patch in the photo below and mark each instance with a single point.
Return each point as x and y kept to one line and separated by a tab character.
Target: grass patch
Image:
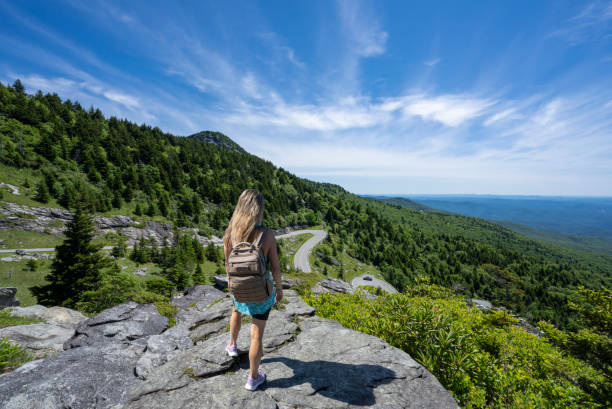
167	310
22	279
15	239
7	321
12	356
281	305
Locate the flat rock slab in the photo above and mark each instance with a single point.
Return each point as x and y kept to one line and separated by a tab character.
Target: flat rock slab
39	339
325	366
81	378
121	323
64	317
295	305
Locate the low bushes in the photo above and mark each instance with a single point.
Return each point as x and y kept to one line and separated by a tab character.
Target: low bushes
484	360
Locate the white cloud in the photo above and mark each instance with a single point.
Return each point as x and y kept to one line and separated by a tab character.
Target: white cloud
124	99
451	110
432	63
365	36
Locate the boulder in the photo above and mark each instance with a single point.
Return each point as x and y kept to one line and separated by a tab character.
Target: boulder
197	294
7	297
31	311
332	285
81	378
39	339
122	323
64	317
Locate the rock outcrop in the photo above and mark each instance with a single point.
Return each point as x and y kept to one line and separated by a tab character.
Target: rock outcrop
53	221
61	316
333	285
127	357
8	297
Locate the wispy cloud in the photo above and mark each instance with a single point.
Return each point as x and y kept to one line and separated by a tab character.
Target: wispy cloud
365	36
431	63
592	23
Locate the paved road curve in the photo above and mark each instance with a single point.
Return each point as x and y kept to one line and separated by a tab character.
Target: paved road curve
300	260
375	282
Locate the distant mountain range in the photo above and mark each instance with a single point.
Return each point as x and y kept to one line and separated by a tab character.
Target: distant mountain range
583	223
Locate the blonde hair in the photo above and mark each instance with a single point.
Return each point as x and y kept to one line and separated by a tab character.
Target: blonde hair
248	212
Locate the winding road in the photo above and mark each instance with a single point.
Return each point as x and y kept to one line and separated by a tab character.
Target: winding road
375	282
300	260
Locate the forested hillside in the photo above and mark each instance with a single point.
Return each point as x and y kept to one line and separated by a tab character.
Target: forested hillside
115	166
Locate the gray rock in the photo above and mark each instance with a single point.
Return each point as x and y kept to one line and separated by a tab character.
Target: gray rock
64	317
197	294
141	272
7	297
121	323
482	304
326	366
220	281
197	310
31	311
82	378
161	348
295	305
39	339
332	285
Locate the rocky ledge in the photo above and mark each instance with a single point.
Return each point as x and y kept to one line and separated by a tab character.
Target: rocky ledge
128	357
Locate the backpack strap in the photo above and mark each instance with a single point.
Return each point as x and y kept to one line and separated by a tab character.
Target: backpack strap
260	238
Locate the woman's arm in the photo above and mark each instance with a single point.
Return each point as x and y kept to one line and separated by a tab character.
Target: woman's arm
274	264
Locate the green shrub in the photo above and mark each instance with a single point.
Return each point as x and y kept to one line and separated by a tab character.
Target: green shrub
483	359
167	310
12	356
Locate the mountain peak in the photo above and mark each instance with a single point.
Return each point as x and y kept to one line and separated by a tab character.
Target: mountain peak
218	139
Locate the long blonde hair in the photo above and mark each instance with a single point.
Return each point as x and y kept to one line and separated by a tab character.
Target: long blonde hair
248	212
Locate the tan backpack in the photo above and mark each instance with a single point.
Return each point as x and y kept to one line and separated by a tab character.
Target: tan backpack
246	272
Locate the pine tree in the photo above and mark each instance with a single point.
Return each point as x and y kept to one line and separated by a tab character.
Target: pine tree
198	275
77	264
120	247
211	252
42	194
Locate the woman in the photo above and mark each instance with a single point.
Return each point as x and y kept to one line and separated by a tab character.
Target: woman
245	226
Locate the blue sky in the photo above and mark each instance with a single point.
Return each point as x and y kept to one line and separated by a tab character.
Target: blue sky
381	97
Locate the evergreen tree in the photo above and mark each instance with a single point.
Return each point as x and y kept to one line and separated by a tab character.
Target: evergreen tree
76	267
120	247
198	275
211	252
42	194
138	210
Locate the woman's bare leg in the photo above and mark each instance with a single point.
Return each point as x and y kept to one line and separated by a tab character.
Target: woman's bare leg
256	349
234	326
